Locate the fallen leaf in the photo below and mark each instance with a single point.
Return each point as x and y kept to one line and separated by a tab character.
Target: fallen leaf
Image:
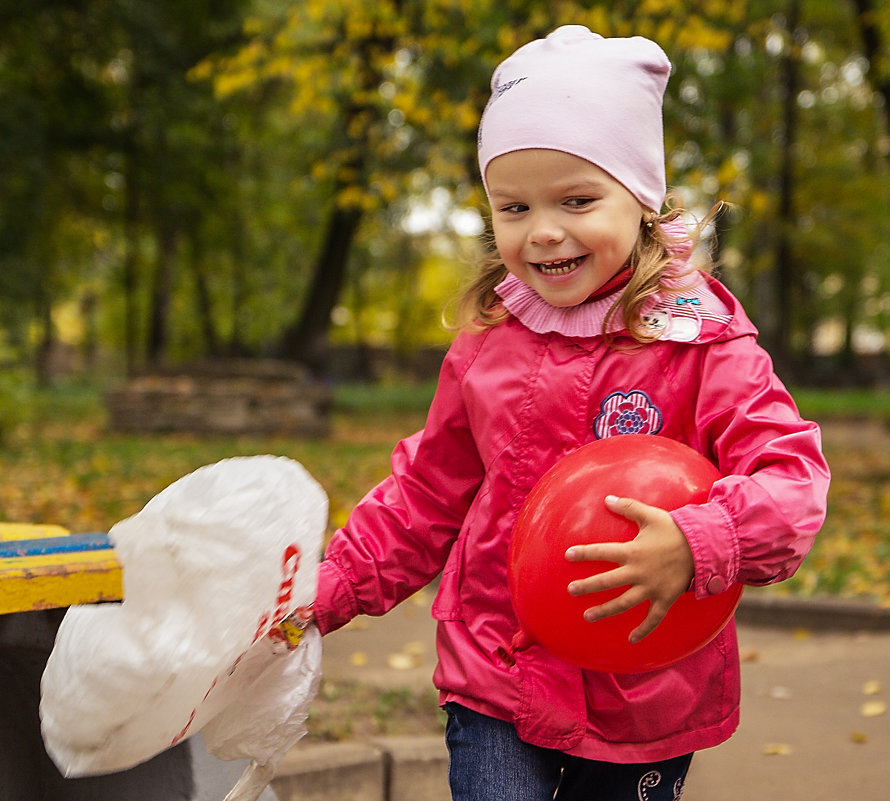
872	687
400	661
801	634
414	648
420	598
359	659
777	749
751	655
859	737
329	691
871	709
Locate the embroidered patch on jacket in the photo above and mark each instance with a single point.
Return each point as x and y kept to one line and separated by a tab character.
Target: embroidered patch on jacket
679	318
667	327
627	413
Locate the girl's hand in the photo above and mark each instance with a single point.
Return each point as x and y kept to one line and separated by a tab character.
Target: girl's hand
656	566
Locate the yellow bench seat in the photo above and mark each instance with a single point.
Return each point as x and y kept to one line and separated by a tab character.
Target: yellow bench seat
44	567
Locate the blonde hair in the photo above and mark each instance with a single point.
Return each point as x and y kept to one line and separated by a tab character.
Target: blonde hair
656	247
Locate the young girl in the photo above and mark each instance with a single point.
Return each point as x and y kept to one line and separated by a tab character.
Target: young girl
591	323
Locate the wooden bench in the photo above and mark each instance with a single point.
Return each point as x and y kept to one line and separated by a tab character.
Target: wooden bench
45	567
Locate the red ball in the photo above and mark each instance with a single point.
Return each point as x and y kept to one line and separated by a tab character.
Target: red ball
566	508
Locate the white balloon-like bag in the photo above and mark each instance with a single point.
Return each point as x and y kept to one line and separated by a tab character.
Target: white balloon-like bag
219	570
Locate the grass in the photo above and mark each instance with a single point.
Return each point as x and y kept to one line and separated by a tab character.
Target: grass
61	465
355	711
833	404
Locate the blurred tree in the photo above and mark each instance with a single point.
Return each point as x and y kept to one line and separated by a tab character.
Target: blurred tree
191	176
782	125
873	21
845	226
49	122
388	96
99	124
173	150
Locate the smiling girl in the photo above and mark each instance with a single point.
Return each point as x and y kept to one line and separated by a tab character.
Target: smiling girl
590	322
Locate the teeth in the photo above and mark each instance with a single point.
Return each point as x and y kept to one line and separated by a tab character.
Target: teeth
558	267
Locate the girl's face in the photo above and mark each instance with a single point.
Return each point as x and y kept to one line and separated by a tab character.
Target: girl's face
562	225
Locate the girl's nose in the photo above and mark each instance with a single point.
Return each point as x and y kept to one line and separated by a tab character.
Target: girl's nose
544	230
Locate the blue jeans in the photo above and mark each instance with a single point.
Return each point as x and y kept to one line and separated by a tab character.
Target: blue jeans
490	763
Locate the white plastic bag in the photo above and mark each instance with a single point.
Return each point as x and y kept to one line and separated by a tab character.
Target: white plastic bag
269	717
211	567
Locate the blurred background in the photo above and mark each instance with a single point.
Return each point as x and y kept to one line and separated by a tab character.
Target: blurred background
187	182
184	178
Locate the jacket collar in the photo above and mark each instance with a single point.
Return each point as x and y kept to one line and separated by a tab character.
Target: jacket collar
584	320
699	309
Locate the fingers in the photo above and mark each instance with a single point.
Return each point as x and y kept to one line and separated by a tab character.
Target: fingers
625	602
617	553
635	511
599	582
597	552
622	603
656	615
654	567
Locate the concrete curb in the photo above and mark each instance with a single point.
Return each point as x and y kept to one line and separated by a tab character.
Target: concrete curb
816	614
383	769
347	771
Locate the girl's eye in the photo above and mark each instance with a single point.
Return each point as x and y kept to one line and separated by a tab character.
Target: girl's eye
514	208
579	202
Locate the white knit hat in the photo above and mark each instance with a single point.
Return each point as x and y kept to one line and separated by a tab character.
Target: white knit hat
577	92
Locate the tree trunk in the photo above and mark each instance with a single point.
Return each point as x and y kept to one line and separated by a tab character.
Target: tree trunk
46	345
785	270
203	299
240	294
131	244
159	313
873	44
306	340
89	305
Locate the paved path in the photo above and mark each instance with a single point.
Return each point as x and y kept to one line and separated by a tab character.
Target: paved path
815	706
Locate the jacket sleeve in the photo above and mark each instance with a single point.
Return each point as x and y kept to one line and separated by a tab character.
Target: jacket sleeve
398	537
760	519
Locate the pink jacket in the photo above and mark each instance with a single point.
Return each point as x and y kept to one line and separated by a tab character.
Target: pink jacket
509	404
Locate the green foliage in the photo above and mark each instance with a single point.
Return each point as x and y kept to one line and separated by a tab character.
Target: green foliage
176	165
14	402
68	469
61	466
850	404
352	710
851	555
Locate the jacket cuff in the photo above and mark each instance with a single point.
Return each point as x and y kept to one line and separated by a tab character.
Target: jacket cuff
335	604
711	533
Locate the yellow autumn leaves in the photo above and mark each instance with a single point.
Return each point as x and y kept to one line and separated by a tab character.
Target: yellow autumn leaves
67	469
874	706
385	78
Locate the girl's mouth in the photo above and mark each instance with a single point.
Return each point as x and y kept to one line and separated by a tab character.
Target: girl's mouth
560	267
